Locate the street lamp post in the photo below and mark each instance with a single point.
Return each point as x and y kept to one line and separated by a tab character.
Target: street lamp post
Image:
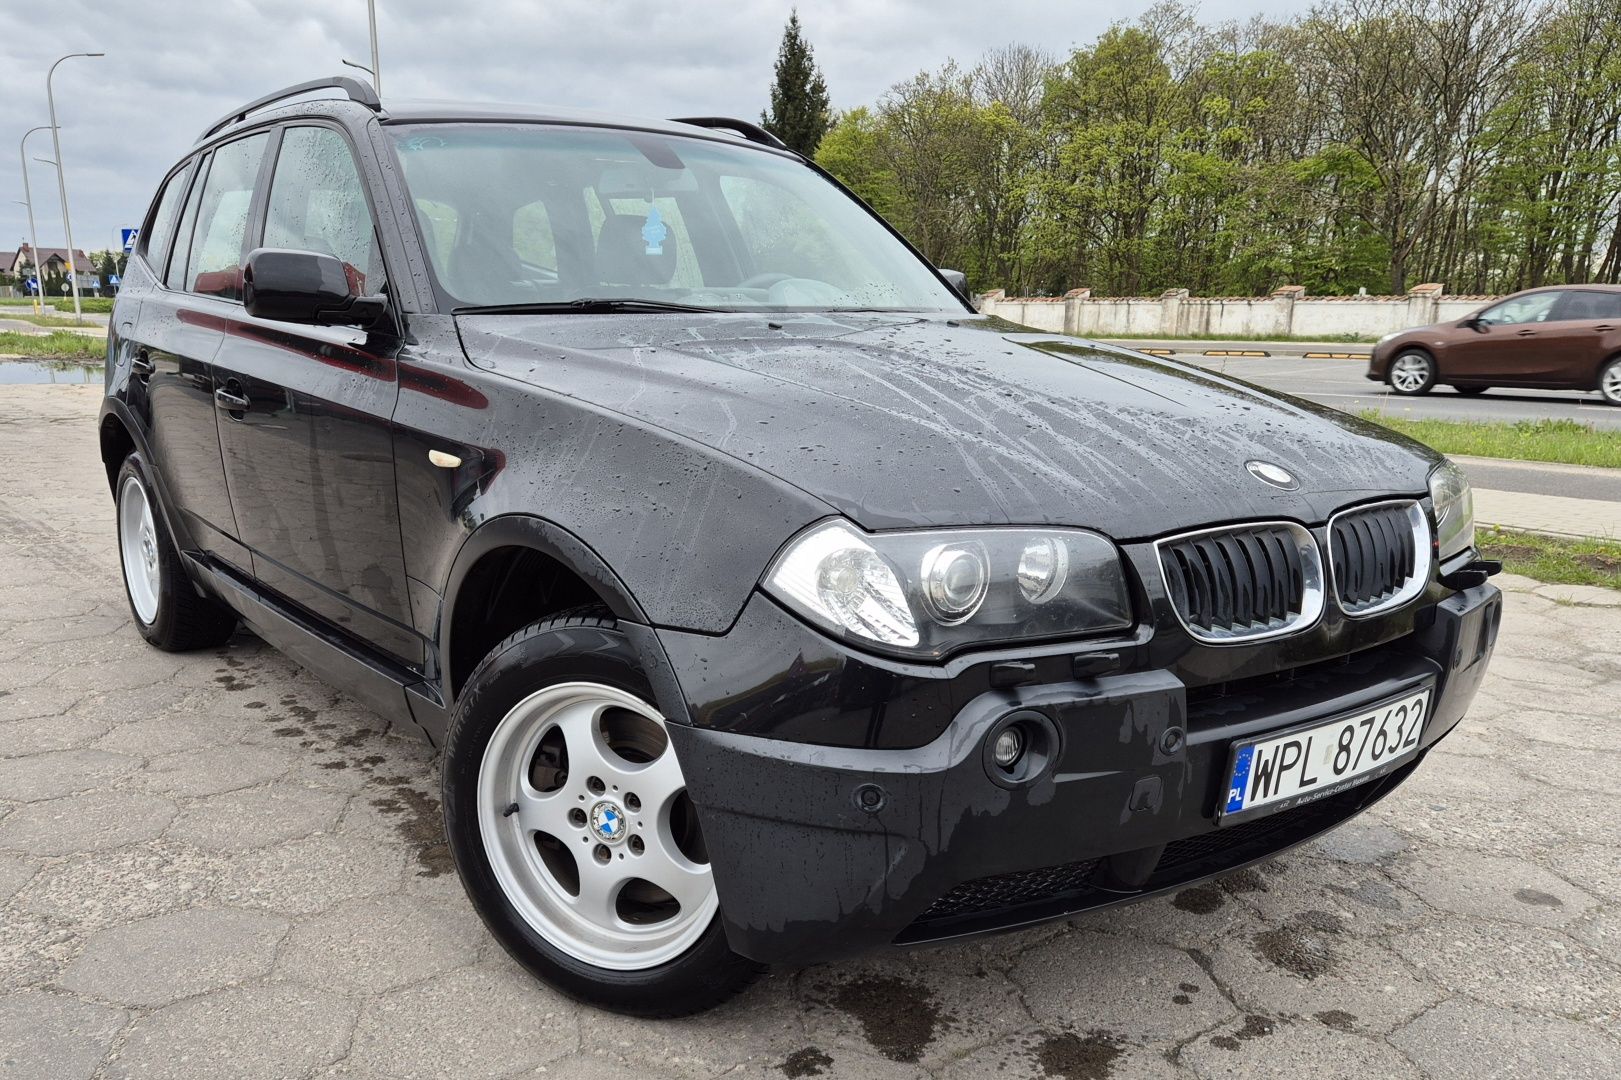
376	70
61	179
33	233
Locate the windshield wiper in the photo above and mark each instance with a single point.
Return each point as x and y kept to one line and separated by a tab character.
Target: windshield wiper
589	305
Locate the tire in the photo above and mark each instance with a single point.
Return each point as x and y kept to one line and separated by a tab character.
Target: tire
1609	382
168	609
1412	372
1471	391
517	734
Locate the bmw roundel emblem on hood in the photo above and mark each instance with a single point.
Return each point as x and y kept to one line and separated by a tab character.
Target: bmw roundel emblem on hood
1276	475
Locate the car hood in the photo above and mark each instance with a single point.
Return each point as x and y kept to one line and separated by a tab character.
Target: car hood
899	421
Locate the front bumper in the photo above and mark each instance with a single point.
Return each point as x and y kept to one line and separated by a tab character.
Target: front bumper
821	851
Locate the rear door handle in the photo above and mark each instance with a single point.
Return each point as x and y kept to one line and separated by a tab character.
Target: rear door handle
231	403
142	366
1603	328
1527	333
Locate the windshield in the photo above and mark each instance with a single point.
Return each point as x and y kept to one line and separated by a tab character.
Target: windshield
527	214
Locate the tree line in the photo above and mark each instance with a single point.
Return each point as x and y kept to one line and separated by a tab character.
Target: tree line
1369	144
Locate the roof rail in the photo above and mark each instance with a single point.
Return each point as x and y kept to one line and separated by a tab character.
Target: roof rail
357	91
752	132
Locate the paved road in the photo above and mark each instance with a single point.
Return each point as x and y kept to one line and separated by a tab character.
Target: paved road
1341	383
1543	478
213	865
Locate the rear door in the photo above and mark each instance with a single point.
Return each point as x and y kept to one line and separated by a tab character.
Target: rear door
1579	335
179	330
308	449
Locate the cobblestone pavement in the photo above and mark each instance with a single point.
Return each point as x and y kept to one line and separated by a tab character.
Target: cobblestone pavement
216	866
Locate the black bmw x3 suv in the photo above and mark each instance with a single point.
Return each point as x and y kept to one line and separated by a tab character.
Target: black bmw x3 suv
767	602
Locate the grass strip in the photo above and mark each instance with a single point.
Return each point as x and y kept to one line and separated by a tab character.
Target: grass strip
1556	559
48	320
1564	441
57	345
100	304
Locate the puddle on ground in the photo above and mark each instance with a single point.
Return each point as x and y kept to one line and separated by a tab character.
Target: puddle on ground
809	1061
1301	946
1076	1057
20	372
898	1017
1255	1027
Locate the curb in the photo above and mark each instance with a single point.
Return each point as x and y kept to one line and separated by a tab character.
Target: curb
1285	351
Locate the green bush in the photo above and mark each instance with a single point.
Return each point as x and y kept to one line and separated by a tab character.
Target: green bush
100	304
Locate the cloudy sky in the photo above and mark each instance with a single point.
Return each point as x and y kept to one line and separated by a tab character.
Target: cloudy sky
174	66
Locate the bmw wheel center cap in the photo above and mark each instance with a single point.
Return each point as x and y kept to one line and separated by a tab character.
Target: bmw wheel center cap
608	821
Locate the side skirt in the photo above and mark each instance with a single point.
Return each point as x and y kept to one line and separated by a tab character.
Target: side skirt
379	683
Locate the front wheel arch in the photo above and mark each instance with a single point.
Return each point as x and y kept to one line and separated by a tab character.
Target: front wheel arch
587	572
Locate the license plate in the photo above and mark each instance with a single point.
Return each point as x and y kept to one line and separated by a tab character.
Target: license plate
1276	772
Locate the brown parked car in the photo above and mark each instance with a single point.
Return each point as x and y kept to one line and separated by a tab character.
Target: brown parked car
1565	337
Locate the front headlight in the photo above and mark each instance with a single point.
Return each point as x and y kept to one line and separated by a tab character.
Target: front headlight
929	592
1454	510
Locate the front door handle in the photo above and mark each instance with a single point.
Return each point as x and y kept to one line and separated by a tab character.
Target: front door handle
1527	333
141	366
231	403
1604	328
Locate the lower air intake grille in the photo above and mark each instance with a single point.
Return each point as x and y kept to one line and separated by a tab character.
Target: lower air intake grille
1379	556
1010	890
1244	582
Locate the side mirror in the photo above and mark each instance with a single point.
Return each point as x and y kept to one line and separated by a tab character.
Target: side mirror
305	287
956	279
1476	323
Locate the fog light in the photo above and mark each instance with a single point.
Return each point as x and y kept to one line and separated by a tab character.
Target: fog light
1009	747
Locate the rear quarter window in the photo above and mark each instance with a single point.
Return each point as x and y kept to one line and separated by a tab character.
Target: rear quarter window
160	229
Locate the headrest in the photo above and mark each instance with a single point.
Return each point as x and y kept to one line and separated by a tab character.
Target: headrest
635	250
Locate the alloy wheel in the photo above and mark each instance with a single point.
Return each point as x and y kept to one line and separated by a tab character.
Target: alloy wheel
138	543
1610	384
585	820
1410	373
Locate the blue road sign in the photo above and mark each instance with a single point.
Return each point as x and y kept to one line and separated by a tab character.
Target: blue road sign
33	284
112	279
128	236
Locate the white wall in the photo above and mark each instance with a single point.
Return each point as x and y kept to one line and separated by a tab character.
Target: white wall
1286	313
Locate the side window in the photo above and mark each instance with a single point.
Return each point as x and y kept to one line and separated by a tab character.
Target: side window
175	278
317	203
1589	304
155	237
1532	308
215	266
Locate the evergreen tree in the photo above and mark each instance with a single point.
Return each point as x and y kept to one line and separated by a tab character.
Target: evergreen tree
799	107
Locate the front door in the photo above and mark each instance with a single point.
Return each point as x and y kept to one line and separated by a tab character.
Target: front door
1508	347
308	449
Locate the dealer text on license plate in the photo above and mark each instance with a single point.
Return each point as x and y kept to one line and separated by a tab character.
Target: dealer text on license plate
1307	763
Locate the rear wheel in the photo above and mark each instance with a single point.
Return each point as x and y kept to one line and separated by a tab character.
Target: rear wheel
1609	382
1412	372
571	827
169	611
